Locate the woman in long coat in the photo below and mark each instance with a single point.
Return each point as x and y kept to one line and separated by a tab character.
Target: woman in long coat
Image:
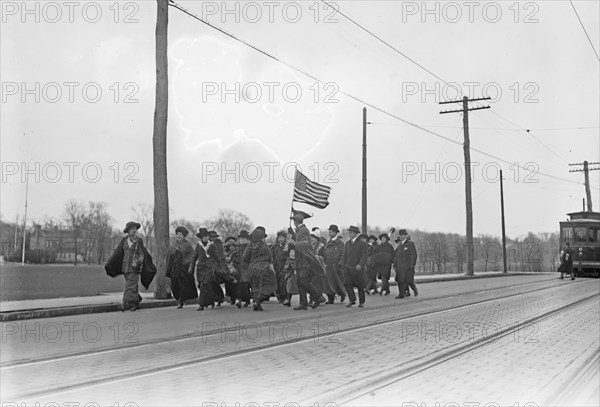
242	272
260	264
179	257
131	259
383	257
207	261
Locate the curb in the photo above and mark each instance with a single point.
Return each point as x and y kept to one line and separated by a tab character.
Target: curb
115	307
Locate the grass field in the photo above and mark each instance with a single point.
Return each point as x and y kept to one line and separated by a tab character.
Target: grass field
37	281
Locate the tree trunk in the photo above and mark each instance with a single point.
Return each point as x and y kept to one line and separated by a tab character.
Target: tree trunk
159	143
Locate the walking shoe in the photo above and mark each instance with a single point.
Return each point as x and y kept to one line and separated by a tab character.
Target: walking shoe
399	296
416	292
572	278
300	307
238	304
255	306
329	302
387	293
200	308
246	304
259	307
316	304
351	304
342	298
361	305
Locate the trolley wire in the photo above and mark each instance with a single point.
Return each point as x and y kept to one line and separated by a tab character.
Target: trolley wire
355	98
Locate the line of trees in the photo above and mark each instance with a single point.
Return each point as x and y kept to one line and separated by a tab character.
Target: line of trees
438	252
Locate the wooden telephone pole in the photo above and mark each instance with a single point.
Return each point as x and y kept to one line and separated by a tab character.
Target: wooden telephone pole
159	145
364	173
586	171
467	151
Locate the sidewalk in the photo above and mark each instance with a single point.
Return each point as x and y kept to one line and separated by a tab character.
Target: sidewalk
111	302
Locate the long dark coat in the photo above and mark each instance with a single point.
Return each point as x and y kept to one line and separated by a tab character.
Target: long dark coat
405	259
179	257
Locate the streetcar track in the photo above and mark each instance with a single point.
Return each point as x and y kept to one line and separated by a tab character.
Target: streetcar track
248	351
197	335
402	372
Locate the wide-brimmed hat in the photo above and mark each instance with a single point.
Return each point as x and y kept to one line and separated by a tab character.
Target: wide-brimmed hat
257	235
244	233
130	225
213	233
202	232
384	235
402	232
334	228
304	214
353	229
182	230
373	237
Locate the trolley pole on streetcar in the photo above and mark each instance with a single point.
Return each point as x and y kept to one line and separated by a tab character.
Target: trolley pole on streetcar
467	151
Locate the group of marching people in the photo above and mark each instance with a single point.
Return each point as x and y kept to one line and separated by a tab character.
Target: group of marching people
300	262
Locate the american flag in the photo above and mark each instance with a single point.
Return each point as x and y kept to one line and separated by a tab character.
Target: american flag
310	192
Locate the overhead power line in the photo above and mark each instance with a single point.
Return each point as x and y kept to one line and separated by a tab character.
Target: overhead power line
355	98
584	30
387	44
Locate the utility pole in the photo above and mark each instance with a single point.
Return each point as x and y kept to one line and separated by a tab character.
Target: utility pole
25	218
503	228
586	171
159	144
364	173
467	151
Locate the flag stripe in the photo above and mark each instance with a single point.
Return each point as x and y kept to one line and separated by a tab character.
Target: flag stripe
310	192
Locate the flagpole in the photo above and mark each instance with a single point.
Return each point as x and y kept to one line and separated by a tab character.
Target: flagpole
293	193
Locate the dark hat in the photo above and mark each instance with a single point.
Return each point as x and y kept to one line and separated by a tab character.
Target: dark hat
244	233
373	237
231	240
257	234
387	237
363	236
129	225
213	233
353	229
334	228
304	214
282	233
182	230
402	232
298	218
202	232
261	228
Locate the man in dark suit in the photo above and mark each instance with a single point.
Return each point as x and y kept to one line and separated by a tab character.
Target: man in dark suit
355	259
405	260
304	264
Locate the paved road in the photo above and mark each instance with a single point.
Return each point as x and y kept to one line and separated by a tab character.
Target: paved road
457	342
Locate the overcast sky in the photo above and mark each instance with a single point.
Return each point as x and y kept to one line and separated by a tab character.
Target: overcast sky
233	108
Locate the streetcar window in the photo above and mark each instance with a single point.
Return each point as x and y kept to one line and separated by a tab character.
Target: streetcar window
581	234
567	234
593	234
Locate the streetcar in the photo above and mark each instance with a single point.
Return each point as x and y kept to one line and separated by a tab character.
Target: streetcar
582	231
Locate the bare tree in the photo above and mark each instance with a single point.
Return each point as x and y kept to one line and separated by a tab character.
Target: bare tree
144	214
229	222
75	216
